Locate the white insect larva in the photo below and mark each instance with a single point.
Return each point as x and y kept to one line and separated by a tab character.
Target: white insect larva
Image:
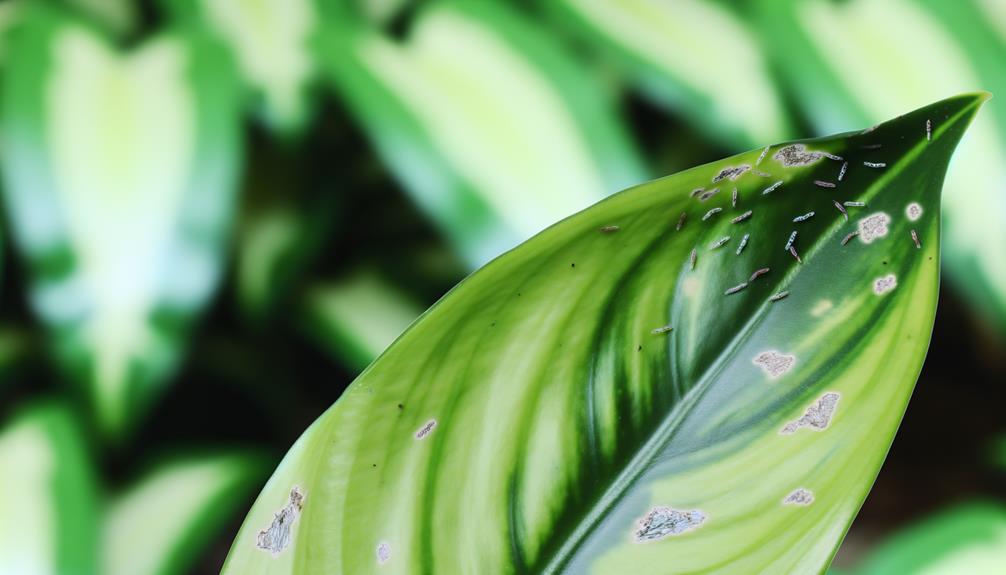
792	252
875	164
849	237
856	204
691	259
733	198
841	172
833	157
706	195
681	221
744	242
609	229
841	209
720	242
711	213
763	154
771	188
824	184
757	274
736	288
789	242
664	329
779	296
741	217
426	429
929	130
804	217
915	238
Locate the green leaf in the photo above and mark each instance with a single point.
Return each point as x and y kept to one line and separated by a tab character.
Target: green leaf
492	128
538	419
271	40
119	172
358	318
48	496
162	524
854	63
967	539
690	55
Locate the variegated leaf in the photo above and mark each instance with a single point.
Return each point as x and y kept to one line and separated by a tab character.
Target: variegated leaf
658	384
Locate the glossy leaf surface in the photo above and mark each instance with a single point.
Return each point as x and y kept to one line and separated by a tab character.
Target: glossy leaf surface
540	419
855	63
119	174
491	126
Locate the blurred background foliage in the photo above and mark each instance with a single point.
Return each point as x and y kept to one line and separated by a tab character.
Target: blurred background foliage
217	212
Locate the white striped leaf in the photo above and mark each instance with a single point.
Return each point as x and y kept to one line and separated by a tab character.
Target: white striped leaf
693	56
48	496
541	419
487	122
119	172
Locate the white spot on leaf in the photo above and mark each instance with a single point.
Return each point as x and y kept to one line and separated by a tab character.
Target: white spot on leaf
821	307
383	553
873	226
913	211
773	363
817	417
884	284
276	537
663	522
799	497
796	155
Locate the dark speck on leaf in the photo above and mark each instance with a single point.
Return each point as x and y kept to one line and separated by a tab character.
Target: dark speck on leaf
400	406
640	348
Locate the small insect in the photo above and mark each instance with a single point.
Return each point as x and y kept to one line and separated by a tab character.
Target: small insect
855	204
757	274
733	199
779	296
875	164
736	288
792	252
841	172
720	242
915	238
744	242
741	217
711	213
692	258
841	209
609	229
681	221
663	329
771	188
708	194
804	217
789	242
697	191
849	237
832	157
929	130
762	156
824	184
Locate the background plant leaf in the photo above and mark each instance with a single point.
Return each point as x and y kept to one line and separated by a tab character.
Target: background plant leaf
119	177
170	515
727	91
490	126
854	63
48	494
537	419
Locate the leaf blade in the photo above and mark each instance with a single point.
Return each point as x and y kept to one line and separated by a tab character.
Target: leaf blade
532	420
